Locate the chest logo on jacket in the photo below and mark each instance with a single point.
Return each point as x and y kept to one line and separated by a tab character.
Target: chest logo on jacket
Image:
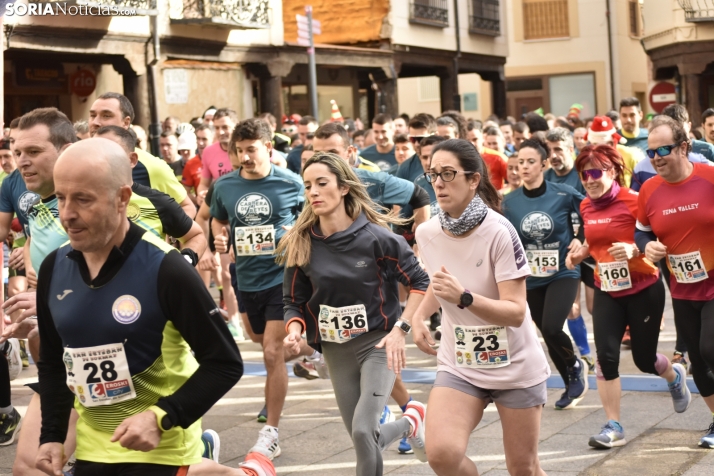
253	209
537	226
126	309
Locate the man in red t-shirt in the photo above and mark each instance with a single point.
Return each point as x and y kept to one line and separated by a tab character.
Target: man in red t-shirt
192	171
496	162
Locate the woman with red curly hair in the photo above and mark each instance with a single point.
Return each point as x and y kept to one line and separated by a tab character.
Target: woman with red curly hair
628	290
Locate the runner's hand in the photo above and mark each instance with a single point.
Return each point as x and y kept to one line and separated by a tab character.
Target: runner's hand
201	197
655	251
50	458
422	336
221	241
574	258
574	245
208	262
446	286
17	259
26	301
292	342
31	278
395	347
623	251
22	330
138	433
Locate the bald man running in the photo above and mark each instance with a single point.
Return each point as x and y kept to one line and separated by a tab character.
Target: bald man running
118	310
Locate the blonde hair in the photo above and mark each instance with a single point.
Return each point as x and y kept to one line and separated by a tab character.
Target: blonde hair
295	247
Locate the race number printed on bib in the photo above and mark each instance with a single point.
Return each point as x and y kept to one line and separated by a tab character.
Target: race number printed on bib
481	346
342	324
255	240
543	263
688	268
614	276
99	375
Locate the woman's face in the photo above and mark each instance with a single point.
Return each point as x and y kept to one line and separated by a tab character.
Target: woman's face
514	180
453	196
596	188
530	165
323	193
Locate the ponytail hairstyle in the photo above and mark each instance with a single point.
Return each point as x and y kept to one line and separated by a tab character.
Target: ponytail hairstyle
295	246
471	161
604	157
537	144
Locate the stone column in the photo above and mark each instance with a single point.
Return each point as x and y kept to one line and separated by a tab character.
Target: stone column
498	96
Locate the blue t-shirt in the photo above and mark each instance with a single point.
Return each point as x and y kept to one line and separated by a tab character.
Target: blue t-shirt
434	207
46	230
273	201
571	178
385	189
15	198
639	141
410	170
704	148
383	161
294	160
645	171
545	223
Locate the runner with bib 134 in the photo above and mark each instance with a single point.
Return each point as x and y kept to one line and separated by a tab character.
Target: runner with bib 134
542	212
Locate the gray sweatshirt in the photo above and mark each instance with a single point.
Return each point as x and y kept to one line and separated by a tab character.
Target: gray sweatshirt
358	266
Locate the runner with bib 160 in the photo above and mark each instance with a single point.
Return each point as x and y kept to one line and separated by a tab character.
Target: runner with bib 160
628	290
542	212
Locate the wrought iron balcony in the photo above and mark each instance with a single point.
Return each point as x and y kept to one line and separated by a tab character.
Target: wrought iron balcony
430	12
232	14
485	17
697	10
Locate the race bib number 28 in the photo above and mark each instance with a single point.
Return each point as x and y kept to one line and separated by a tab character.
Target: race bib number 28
481	346
99	375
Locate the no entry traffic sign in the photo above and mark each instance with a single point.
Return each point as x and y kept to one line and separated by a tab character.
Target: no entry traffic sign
662	95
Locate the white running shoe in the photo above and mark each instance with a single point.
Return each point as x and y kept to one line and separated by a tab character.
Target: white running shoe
267	443
321	367
14	359
416	412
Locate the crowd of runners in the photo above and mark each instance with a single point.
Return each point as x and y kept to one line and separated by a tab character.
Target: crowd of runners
328	245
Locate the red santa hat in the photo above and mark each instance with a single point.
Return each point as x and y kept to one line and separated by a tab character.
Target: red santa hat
602	131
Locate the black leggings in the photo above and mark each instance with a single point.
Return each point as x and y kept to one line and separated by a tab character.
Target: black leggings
643	313
550	306
695	321
679	345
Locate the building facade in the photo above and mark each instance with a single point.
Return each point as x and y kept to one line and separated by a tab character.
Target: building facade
679	39
563	52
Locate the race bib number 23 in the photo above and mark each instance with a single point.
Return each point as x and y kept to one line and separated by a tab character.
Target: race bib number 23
481	346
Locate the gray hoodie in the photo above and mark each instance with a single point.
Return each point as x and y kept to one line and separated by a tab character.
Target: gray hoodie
360	265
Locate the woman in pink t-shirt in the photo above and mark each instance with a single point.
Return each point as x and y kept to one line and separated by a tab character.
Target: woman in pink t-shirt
489	349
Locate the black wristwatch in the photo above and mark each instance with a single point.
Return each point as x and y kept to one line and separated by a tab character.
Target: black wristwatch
166	423
403	326
466	299
190	256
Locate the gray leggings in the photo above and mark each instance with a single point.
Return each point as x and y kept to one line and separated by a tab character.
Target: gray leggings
362	385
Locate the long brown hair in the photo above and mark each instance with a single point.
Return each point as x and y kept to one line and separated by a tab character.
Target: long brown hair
295	247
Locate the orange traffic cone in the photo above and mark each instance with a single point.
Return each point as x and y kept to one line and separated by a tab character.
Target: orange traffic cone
336	115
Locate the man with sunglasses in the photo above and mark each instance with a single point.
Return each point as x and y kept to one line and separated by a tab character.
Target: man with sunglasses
674	221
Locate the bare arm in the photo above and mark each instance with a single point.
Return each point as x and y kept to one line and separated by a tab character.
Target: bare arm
195	239
5	223
188	207
203	186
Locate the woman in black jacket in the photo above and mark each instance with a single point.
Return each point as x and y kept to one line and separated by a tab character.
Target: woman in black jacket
343	264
